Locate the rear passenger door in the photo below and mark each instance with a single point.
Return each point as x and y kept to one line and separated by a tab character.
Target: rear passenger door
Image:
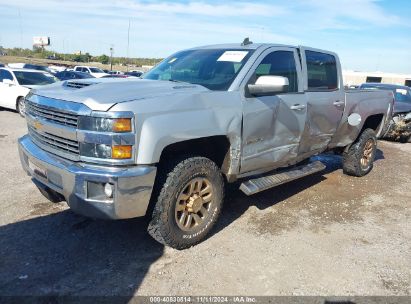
324	92
273	125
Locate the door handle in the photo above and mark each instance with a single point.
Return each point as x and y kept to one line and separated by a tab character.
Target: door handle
297	107
338	103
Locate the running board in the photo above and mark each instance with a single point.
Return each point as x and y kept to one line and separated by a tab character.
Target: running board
256	185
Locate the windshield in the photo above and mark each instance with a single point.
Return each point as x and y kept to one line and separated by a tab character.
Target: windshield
36	67
80	75
96	70
33	78
402	95
213	69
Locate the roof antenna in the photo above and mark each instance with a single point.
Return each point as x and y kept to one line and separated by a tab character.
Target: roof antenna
246	42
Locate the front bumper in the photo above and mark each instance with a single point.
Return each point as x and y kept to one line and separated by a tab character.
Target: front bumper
132	185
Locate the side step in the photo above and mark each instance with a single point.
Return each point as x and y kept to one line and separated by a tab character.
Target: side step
256	185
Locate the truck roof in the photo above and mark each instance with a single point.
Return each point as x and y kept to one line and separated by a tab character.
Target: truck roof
22	70
255	46
251	46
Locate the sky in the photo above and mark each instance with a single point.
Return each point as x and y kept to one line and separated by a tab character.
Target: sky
369	35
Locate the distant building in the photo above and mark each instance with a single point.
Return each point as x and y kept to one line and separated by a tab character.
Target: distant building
354	78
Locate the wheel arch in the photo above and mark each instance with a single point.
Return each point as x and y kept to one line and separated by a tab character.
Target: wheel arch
216	148
17	101
373	122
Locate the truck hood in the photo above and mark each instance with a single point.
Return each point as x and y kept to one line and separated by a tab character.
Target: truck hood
32	86
101	94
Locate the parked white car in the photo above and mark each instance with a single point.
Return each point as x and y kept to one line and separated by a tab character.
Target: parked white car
115	73
57	68
15	84
96	72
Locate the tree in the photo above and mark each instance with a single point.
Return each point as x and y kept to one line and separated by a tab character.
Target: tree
87	57
79	58
104	59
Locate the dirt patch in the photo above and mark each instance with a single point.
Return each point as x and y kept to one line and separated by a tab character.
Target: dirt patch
327	234
337	198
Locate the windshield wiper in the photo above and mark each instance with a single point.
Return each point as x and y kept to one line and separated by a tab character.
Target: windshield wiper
175	80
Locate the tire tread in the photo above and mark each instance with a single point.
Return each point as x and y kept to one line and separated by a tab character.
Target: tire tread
352	155
168	179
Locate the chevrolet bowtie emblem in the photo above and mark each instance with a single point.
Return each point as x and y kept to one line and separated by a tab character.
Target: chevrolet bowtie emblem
37	124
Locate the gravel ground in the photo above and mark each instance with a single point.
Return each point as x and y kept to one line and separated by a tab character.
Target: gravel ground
327	234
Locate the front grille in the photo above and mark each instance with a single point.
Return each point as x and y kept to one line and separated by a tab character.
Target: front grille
53	141
51	114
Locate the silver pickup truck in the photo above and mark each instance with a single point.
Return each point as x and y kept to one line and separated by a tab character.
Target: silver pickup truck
166	145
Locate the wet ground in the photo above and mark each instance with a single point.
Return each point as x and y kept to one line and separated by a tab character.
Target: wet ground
326	234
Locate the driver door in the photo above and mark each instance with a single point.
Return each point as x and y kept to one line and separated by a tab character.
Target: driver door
273	125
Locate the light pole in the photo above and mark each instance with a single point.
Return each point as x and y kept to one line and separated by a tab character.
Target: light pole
64	51
128	42
111	58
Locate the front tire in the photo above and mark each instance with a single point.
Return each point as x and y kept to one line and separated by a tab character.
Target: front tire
358	160
189	202
21	106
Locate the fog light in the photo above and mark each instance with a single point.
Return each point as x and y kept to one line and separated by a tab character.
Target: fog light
108	190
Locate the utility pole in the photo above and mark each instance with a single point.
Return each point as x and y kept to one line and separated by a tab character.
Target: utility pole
128	42
21	31
64	51
111	57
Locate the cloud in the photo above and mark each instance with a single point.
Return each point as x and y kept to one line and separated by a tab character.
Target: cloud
137	8
235	9
161	27
341	14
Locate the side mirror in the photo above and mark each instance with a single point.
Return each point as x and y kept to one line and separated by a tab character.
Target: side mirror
269	85
8	81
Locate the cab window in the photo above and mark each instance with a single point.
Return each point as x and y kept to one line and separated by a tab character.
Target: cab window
5	75
322	71
279	63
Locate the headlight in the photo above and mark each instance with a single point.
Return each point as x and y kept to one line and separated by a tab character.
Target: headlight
105	151
102	124
95	150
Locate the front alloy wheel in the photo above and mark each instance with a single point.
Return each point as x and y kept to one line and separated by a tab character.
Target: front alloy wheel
188	199
194	204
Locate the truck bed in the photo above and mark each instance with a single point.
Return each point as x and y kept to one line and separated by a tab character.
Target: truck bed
367	103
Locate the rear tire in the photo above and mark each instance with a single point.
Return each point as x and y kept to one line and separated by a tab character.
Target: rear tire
21	106
358	160
189	202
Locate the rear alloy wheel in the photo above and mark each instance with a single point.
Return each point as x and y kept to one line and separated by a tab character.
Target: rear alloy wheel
21	106
358	159
367	155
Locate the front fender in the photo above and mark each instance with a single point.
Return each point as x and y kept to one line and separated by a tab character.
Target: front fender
160	131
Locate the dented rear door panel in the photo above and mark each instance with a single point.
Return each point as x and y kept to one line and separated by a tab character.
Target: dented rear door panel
325	109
